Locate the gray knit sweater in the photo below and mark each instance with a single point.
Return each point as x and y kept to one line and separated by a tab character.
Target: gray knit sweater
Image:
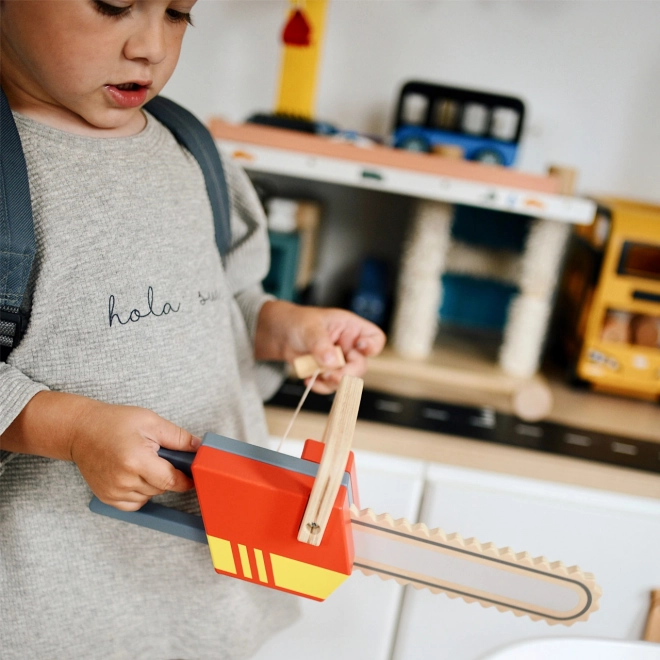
131	305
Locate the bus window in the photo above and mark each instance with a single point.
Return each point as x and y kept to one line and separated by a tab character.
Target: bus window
415	108
446	114
504	124
621	327
616	327
640	260
475	119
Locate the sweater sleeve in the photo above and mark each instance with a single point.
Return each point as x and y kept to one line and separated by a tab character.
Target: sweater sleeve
16	389
247	264
248	259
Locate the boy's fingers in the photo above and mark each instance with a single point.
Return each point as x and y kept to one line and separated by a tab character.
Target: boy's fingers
161	475
371	344
326	355
147	490
171	436
321	387
356	364
129	501
320	345
125	505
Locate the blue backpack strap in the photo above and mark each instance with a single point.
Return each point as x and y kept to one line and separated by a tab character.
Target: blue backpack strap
195	137
17	244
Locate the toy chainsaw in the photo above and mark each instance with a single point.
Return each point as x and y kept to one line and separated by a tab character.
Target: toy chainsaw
295	524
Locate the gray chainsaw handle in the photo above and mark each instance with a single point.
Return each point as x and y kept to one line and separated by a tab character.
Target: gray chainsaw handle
181	460
156	516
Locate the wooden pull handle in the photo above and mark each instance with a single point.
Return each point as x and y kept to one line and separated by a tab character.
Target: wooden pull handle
652	631
338	437
305	365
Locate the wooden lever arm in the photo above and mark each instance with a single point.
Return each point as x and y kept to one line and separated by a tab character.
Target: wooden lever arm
338	437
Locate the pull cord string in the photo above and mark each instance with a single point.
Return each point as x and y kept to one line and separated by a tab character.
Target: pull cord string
312	380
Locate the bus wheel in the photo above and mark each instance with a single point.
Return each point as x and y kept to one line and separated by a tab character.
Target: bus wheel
489	156
414	143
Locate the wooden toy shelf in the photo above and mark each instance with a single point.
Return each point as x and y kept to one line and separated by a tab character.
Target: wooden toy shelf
273	151
289	153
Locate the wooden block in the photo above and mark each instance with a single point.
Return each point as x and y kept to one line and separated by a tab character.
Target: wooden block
338	438
652	630
532	400
305	365
567	177
449	151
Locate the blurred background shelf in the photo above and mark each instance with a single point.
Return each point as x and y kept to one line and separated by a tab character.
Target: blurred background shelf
282	152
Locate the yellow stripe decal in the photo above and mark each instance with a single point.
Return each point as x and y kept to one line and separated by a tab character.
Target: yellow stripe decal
304	578
221	555
261	566
245	561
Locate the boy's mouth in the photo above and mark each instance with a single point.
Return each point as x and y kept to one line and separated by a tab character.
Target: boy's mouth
128	95
132	87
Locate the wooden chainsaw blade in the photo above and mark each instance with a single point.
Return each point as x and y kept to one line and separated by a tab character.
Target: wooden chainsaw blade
467	569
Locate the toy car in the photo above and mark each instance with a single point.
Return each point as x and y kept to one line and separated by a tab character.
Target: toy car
486	127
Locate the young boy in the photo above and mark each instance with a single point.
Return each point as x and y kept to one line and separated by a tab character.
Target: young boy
121	357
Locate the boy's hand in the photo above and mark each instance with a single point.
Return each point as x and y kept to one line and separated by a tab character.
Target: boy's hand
285	331
115	449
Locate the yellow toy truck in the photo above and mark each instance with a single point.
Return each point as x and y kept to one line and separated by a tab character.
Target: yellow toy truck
611	300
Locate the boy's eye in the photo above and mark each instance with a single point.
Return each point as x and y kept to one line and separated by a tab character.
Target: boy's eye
110	10
179	16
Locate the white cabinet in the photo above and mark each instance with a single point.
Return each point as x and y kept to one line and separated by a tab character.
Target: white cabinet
615	537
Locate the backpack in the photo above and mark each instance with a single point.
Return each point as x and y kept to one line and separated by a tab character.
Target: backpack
17	243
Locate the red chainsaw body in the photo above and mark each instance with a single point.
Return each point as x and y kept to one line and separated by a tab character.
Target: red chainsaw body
252	511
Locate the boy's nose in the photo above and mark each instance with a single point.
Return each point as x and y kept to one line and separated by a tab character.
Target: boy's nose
148	42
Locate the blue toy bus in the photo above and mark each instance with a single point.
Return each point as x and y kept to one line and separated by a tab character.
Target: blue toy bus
487	127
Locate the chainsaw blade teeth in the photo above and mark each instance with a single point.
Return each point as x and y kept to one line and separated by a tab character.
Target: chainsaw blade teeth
572	578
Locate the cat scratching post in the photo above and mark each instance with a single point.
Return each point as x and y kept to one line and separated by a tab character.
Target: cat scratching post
427	254
419	292
529	312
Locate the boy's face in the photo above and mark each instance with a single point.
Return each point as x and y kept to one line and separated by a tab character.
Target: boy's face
86	65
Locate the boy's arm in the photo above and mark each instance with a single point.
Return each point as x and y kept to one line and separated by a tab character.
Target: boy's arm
114	447
43	426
